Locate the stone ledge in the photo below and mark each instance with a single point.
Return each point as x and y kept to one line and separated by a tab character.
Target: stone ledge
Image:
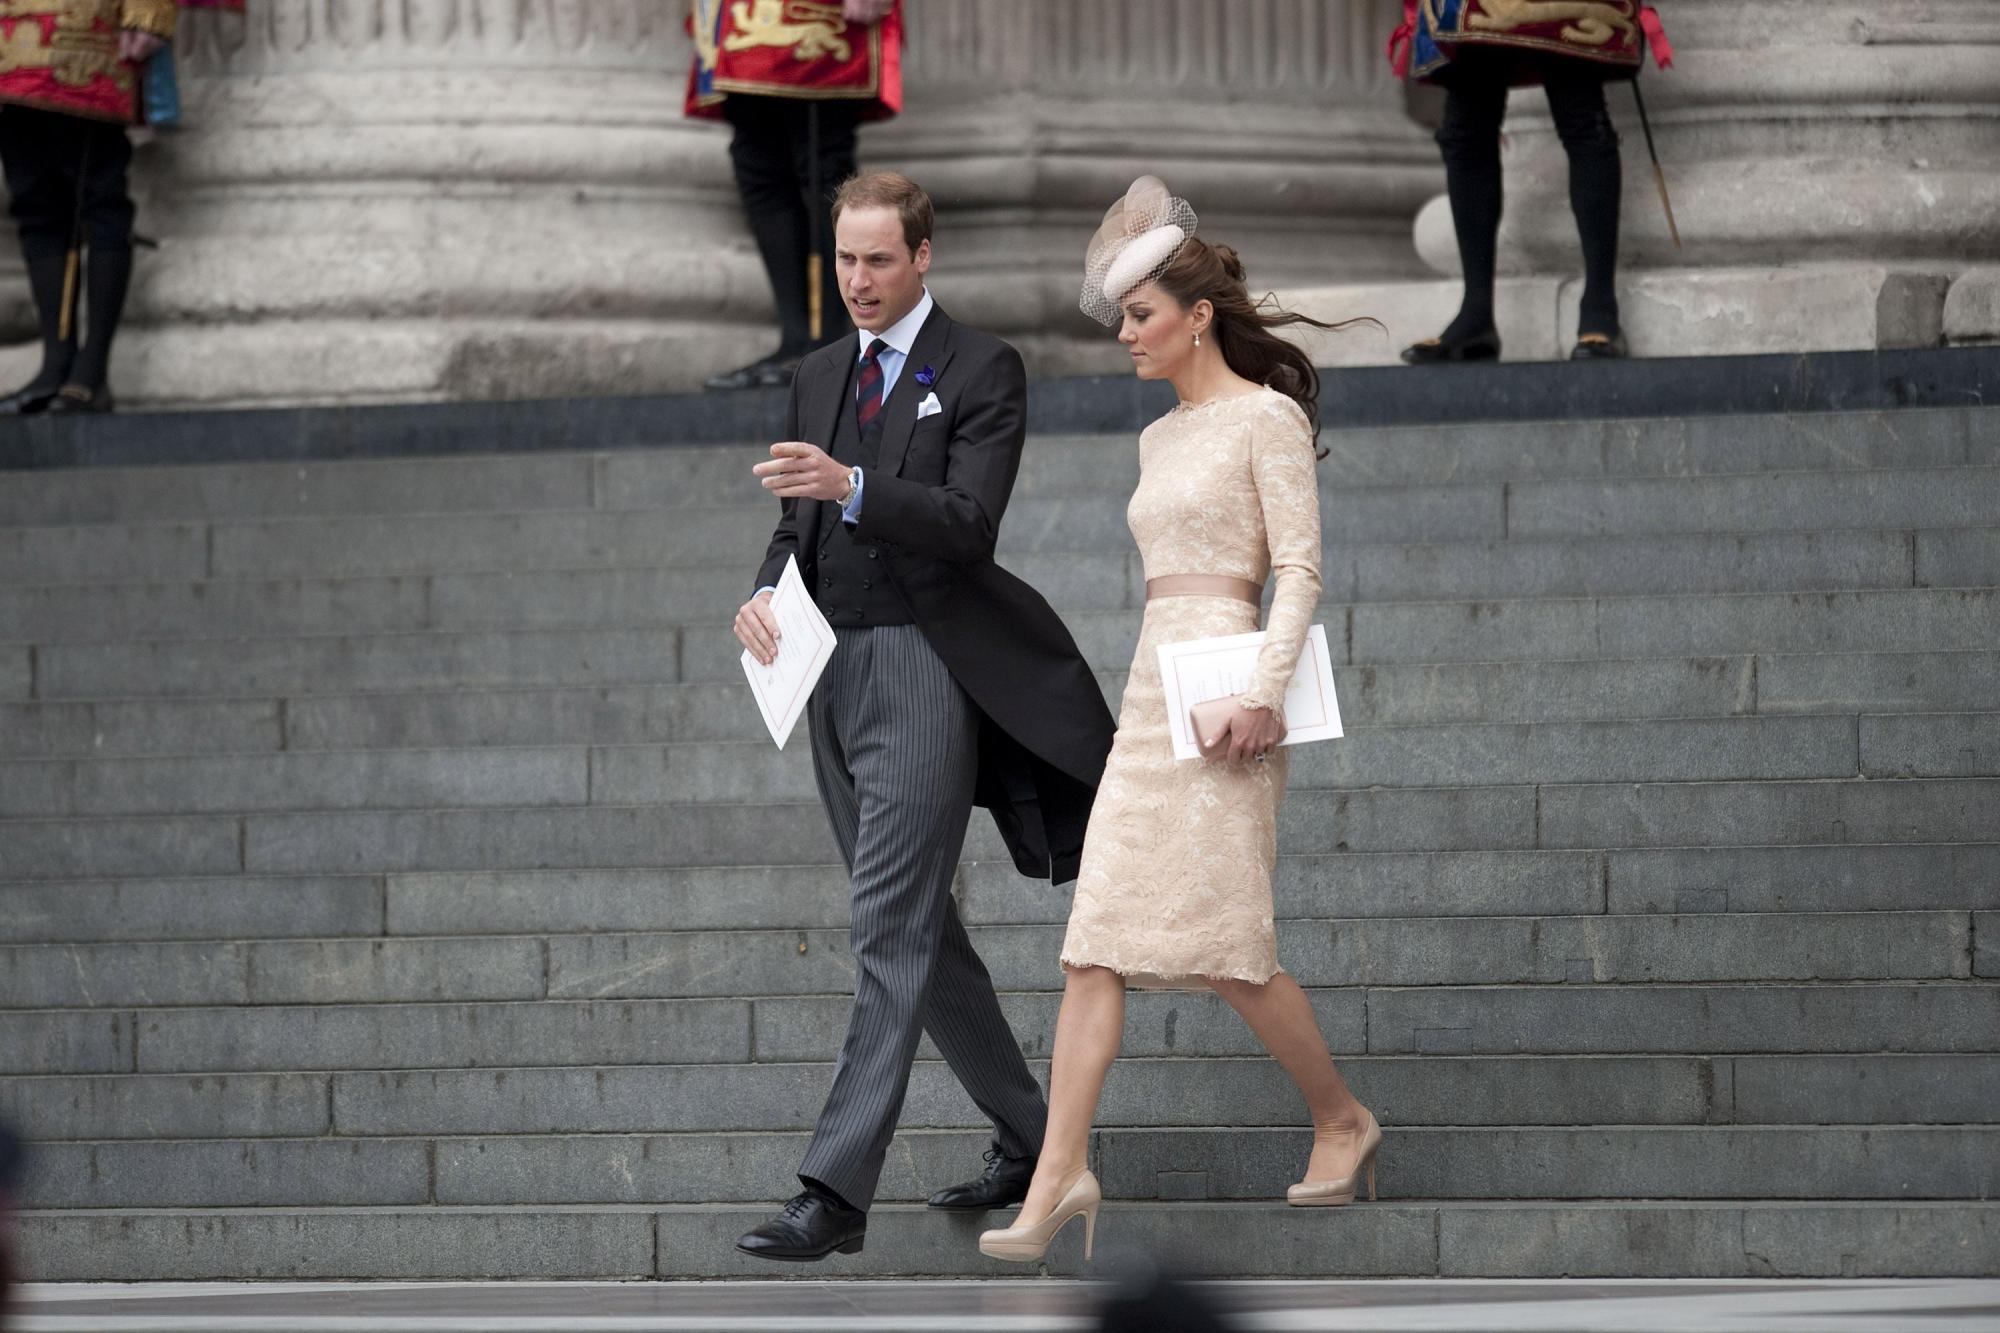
1359	396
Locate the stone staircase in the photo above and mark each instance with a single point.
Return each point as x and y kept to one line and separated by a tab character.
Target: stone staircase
397	882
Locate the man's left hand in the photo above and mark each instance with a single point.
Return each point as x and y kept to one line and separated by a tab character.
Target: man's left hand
137	45
865	11
800	471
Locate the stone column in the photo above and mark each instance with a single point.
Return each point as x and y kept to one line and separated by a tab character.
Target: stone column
1832	169
1277	119
426	199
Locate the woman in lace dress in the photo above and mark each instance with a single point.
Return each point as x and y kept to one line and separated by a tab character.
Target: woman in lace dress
1175	888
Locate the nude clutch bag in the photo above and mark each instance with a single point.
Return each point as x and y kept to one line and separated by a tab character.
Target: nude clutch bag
1211	718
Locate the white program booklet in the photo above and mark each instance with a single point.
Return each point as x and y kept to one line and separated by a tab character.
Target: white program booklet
1202	669
805	644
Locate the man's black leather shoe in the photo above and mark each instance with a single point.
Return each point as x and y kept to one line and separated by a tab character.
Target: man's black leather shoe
812	1226
773	372
1002	1184
73	399
27	400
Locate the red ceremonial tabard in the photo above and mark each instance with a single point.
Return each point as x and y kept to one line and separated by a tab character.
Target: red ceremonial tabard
62	55
793	48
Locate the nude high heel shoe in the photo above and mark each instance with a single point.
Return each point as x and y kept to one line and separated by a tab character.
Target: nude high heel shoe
1027	1244
1334	1193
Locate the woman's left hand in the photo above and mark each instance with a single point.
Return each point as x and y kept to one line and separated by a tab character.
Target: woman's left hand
1254	733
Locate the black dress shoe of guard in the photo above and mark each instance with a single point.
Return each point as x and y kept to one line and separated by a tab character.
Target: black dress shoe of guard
1483	345
79	398
772	372
1003	1184
812	1226
28	400
1601	347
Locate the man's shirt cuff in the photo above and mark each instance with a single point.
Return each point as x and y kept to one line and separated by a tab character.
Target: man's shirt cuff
852	513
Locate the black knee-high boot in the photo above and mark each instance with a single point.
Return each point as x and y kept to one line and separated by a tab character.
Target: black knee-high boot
1469	140
47	262
108	278
1596	185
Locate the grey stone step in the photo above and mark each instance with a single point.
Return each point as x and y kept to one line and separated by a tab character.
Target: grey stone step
1413	819
1741	1018
1685	881
1239	1163
216	668
1389	1239
237	490
1377	952
1844	877
1937	497
59	730
1393	951
353	779
1638	627
696	476
17	672
1736	1019
372	1036
307	906
1662	750
1420	455
1755	814
1424	1090
273	972
1595	629
1388	695
724	533
1721	1019
722	536
661	1099
61	607
101	552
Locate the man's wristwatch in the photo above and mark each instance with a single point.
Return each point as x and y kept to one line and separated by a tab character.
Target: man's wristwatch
853	485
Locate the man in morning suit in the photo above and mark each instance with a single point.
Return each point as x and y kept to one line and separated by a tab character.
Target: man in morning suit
952	684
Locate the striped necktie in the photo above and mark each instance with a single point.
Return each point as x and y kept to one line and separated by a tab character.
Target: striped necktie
868	386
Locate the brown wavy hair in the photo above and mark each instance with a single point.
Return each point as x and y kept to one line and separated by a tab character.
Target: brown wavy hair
1246	330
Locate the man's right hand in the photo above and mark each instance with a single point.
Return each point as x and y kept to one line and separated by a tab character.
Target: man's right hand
865	11
757	629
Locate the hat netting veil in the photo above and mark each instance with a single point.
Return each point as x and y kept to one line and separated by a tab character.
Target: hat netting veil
1136	243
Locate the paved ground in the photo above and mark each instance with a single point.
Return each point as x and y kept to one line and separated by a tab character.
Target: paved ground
1011	1307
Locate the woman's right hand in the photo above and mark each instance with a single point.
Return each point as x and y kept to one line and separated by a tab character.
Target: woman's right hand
1252	734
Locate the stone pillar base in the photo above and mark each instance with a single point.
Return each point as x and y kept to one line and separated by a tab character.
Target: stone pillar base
1672	312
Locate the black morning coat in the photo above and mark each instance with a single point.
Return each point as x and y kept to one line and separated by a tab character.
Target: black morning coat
933	504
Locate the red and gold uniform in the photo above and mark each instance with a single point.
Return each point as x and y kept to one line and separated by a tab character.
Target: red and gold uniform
1613	34
803	49
62	55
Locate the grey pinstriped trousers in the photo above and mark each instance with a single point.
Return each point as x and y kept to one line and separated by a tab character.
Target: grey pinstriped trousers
896	752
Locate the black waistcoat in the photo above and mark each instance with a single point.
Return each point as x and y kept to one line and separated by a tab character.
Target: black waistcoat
854	583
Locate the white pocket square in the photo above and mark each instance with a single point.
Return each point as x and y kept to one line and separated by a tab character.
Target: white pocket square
929	407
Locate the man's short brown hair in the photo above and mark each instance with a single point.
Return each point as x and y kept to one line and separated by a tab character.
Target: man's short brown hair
887	189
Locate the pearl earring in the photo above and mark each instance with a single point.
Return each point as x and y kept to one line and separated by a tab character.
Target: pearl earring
1197	340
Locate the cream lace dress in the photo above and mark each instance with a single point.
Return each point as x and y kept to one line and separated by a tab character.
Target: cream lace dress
1175	885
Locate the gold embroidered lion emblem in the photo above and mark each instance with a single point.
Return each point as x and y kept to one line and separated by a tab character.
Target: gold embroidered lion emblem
1586	22
810	30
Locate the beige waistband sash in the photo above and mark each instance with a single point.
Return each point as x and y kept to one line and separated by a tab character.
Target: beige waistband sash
1205	585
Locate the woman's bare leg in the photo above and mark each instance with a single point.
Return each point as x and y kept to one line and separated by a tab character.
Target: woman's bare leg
1088	1029
1283	1019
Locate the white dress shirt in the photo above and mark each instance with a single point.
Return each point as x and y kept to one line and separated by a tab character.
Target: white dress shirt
896	340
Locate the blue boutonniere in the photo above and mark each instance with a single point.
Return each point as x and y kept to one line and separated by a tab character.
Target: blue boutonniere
926	377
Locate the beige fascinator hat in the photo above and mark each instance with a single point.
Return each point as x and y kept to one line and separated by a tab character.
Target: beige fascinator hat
1139	238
